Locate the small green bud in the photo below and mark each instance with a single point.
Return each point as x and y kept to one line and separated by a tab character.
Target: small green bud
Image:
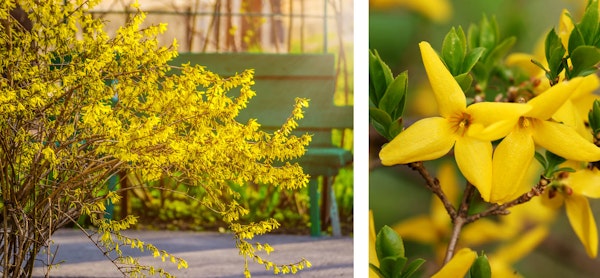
594	118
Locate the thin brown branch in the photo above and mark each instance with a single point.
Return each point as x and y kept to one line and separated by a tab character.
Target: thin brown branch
497	209
466	200
459	222
433	184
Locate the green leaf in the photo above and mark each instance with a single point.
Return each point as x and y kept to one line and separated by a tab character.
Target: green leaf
454	49
576	39
541	159
378	271
565	169
412	268
500	51
594	117
584	60
589	22
394	98
392	265
381	121
473	37
380	75
395	128
464	80
555	52
481	268
471	59
487	35
554	159
553	162
388	243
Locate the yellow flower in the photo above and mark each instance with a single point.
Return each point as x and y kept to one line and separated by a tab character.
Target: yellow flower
433	137
372	252
572	190
458	266
537	128
501	260
435	10
574	112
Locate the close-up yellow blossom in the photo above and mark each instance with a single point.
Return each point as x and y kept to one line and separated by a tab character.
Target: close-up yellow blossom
433	137
537	128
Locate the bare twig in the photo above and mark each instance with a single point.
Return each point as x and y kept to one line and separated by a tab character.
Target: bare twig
459	222
497	209
433	184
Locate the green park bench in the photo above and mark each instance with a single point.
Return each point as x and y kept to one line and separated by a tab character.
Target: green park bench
279	79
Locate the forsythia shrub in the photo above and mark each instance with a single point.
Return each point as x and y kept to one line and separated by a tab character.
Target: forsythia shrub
78	106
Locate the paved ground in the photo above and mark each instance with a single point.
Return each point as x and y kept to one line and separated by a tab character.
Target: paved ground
208	255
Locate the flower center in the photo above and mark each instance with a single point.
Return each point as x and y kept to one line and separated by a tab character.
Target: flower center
524	122
461	123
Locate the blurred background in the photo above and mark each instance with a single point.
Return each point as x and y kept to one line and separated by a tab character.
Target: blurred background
268	26
396	193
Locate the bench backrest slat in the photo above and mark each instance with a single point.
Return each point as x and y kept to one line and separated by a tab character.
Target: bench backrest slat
279	79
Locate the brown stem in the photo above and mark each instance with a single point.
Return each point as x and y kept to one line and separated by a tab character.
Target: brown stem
433	184
497	209
459	222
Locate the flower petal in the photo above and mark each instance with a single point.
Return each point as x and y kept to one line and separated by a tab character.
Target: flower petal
372	238
448	94
483	231
585	182
474	159
569	115
523	61
509	164
564	141
583	223
587	87
420	229
522	246
494	120
565	26
427	139
548	102
458	265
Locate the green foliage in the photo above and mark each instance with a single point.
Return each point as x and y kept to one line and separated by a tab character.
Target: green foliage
387	97
594	118
551	164
458	58
390	252
582	50
555	52
487	36
480	268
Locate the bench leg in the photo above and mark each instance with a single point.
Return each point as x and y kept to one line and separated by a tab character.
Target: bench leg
333	212
315	213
